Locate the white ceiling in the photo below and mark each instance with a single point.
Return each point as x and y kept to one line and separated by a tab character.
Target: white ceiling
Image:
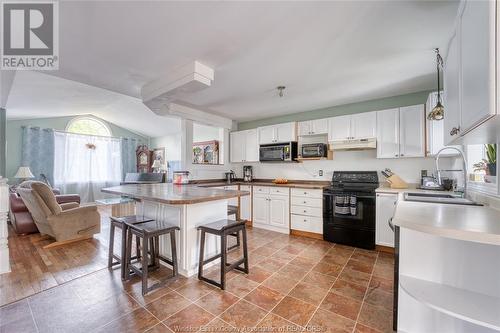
326	53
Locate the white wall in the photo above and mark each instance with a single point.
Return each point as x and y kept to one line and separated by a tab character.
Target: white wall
407	168
172	143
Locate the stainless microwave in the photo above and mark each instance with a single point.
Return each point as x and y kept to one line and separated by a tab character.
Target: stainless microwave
314	150
278	152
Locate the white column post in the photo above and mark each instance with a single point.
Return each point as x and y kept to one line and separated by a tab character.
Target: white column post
4	210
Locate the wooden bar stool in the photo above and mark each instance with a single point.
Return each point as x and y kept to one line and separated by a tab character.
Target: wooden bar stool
223	228
150	232
121	222
234	210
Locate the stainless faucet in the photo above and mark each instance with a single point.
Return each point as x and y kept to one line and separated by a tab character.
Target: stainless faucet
464	167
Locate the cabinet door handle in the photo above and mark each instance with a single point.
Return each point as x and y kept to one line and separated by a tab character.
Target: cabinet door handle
396	155
402	155
391	225
305	211
455	131
305	202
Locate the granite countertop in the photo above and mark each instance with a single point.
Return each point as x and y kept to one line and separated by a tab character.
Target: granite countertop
295	184
171	194
469	223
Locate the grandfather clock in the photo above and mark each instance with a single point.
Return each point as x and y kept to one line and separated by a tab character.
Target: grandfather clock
144	157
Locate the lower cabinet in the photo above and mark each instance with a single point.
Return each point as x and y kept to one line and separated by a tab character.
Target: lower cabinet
307	210
271	208
232	201
246	203
386	206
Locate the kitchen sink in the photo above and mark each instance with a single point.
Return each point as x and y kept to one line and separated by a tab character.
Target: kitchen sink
443	198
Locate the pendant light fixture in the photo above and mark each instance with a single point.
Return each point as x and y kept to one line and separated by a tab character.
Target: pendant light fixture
437	112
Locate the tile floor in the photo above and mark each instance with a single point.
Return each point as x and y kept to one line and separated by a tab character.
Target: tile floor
295	283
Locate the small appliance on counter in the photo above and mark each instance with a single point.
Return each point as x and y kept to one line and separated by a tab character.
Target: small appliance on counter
181	177
230	176
314	150
247	173
278	152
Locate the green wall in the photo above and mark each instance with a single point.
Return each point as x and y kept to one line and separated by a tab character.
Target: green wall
14	137
366	106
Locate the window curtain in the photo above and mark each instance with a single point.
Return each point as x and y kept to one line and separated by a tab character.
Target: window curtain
85	164
129	161
38	151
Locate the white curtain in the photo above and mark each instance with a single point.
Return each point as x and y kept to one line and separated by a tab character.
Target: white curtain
84	164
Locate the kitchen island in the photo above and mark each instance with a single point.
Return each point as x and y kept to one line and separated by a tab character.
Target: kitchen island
186	206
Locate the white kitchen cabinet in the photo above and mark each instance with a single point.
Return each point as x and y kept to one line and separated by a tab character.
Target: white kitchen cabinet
364	125
451	121
352	127
477	63
339	128
307	210
412	131
313	127
285	132
385	208
401	132
246	203
271	208
388	133
244	146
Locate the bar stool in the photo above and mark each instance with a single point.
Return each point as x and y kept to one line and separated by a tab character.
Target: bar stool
121	223
234	210
150	232
223	228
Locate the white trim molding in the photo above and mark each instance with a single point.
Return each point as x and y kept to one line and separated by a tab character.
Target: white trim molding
4	233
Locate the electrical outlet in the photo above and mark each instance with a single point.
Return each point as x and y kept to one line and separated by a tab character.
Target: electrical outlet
320	173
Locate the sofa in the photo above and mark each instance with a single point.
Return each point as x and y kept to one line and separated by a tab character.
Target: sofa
20	217
66	222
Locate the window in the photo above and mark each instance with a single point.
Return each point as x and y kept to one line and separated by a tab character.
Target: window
89	126
481	161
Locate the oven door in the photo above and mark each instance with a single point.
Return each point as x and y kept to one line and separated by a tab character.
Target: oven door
272	154
349	224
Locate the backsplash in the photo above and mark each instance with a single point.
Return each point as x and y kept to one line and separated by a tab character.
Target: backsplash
407	168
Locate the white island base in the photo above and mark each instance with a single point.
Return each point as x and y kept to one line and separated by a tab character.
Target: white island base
447	285
188	217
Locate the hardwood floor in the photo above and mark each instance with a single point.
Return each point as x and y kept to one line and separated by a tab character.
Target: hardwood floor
295	284
35	268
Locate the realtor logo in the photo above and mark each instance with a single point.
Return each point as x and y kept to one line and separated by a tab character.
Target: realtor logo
30	35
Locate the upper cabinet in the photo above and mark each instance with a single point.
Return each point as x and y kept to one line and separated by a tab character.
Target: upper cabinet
401	132
470	76
313	127
351	127
244	146
278	133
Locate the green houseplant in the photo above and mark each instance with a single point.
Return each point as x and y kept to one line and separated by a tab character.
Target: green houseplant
491	158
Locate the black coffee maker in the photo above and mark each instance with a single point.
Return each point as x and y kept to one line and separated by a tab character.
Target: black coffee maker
247	173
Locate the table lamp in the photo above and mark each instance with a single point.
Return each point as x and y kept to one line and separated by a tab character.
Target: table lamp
156	165
23	173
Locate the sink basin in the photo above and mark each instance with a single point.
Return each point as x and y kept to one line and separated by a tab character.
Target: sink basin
442	198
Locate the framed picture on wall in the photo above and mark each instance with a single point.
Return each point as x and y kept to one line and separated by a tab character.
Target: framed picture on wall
160	155
206	152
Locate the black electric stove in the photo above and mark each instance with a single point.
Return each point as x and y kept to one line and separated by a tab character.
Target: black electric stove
349	208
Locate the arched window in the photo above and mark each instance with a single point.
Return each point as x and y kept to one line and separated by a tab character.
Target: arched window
89	126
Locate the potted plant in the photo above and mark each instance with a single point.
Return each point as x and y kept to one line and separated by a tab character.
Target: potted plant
491	159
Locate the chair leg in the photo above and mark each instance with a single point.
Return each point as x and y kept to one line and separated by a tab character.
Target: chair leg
128	255
245	249
138	248
157	250
237	239
111	244
123	250
223	261
202	254
145	262
174	253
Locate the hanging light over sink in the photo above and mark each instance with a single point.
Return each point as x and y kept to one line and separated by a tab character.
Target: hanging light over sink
437	112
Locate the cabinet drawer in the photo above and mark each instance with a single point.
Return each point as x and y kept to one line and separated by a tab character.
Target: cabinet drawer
309	211
307	223
306	192
261	189
279	190
306	201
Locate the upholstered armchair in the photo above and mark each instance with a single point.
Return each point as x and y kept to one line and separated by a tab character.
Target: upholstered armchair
66	222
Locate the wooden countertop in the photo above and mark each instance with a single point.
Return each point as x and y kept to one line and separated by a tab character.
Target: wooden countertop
294	184
171	194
